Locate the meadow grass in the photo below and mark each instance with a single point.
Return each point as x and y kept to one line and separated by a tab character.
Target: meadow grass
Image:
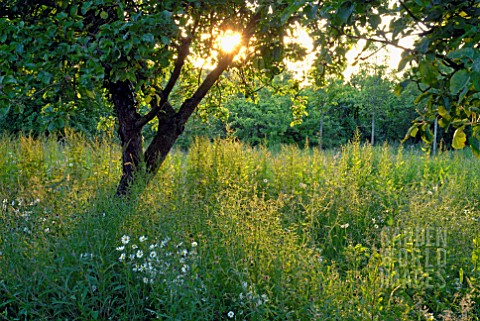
229	232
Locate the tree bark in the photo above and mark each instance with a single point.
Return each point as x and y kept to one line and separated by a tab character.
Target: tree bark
123	96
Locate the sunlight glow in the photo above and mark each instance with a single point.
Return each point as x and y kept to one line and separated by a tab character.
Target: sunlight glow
229	41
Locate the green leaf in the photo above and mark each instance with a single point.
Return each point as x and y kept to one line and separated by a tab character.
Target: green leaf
345	10
459	138
375	20
403	63
413	131
442	111
421	97
458	81
103	15
428	71
165	40
475	146
476	80
148	37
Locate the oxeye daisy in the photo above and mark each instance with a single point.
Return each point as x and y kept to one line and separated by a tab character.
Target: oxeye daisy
151	247
125	239
142	238
139	253
231	314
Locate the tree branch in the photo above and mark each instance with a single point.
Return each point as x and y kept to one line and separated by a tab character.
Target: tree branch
183	51
190	104
410	13
450	63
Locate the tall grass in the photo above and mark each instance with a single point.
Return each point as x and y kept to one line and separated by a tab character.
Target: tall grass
229	232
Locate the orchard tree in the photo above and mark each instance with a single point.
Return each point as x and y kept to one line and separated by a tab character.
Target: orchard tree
143	55
373	92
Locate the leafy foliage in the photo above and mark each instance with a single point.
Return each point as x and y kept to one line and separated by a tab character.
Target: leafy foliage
446	61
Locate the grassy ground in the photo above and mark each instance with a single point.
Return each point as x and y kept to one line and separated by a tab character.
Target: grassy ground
226	232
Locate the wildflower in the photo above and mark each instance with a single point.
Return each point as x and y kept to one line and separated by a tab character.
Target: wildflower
346	225
125	239
120	248
134	246
122	257
151	247
184	252
265	181
139	253
153	254
47	230
142	238
231	314
185	269
194	244
376	226
244	284
131	257
145	280
302	185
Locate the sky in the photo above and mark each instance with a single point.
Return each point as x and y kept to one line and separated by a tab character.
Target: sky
390	55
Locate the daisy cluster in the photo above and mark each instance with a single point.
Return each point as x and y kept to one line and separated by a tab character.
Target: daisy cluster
20	213
248	300
158	261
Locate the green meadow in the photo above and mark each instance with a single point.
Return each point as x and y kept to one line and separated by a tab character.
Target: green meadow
230	232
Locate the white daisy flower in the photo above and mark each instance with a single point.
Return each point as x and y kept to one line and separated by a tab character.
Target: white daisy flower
231	314
122	257
139	253
125	239
120	248
142	238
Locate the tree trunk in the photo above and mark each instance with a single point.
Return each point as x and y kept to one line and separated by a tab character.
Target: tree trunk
124	101
372	140
168	131
320	133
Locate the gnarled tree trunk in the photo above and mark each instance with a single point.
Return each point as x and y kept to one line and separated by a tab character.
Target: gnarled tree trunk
125	106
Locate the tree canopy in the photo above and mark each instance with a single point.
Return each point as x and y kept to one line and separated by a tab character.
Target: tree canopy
59	56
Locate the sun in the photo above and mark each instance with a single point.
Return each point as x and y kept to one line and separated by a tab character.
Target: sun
229	41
